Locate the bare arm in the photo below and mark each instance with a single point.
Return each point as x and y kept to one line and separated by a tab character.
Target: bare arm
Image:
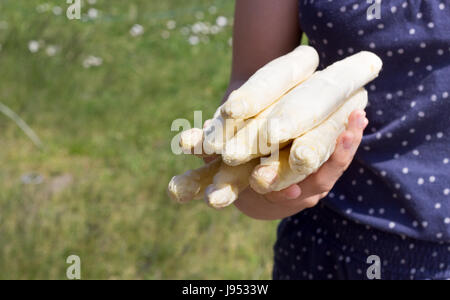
263	30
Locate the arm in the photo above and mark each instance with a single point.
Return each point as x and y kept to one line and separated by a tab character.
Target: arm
263	30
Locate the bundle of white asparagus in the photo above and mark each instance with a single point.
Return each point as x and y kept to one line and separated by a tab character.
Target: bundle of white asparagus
277	129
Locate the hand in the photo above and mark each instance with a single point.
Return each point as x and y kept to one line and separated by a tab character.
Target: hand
308	193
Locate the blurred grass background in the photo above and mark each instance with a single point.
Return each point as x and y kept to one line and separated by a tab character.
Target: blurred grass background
102	100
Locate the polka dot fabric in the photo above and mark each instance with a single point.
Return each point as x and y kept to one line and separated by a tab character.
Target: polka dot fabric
324	246
399	182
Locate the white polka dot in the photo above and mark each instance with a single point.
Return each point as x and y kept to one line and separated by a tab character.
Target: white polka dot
405	143
425	224
330	25
428	137
440	52
401	51
445	95
393	9
405	170
405	4
319	14
430	25
417	60
421	114
389	53
391	225
433	98
445	161
439	235
389	96
343	9
429	68
372	45
412	131
440	135
410	74
355	6
412	31
423	45
380	26
447	220
432	179
419	15
416	152
420	181
441	6
438	205
446	192
420	88
360	32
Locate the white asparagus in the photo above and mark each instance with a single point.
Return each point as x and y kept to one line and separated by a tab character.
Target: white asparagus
228	183
274	174
218	131
318	97
315	147
307	153
270	82
192	184
191	141
248	143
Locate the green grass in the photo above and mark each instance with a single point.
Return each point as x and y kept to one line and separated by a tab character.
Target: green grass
106	130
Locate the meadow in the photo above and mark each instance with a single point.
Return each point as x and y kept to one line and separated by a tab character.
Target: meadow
101	94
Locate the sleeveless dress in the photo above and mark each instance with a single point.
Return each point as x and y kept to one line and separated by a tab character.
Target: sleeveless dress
394	200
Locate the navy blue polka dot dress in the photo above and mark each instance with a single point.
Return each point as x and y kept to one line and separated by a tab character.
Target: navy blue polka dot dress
394	200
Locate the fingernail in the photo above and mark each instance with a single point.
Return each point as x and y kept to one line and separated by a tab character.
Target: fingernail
362	123
347	142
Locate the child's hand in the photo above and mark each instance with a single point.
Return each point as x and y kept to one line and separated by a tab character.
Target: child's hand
308	193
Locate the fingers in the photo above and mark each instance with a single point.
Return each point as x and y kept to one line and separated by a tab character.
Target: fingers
324	179
291	193
317	186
